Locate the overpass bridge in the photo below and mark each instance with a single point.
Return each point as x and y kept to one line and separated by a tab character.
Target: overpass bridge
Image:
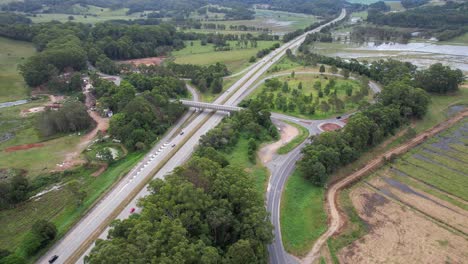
217	107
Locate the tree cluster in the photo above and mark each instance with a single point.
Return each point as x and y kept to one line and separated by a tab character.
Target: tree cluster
71	117
439	79
140	119
206	78
13	191
398	102
254	122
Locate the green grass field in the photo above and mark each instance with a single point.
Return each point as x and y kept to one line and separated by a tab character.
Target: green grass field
308	81
236	59
238	157
303	219
12	53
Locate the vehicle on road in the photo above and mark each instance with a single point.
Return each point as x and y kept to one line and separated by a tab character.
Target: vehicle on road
53	259
338	117
173	145
132	210
181	133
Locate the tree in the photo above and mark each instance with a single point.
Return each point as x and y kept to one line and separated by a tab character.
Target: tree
324	107
317	85
349	89
285	88
251	150
106	65
216	85
293	74
333	69
44	230
37	70
299	86
252	59
19	189
75	82
322	69
76	188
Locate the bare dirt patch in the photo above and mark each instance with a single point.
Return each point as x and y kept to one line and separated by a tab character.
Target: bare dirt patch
399	235
101	169
24	147
329	127
73	158
287	133
146	61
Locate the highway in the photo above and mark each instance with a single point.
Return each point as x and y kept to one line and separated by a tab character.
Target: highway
171	151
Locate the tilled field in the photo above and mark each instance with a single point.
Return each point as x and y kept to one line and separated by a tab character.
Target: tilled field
416	208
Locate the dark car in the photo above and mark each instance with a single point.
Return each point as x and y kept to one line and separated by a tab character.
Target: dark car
338	117
181	133
53	259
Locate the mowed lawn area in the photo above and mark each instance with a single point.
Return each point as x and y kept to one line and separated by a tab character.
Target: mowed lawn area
235	59
12	53
303	218
308	81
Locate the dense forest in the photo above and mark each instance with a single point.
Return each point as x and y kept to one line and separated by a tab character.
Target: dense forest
445	22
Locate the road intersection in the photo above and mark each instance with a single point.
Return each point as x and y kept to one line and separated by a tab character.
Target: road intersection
171	151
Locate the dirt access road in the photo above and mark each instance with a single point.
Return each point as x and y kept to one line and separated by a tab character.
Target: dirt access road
336	219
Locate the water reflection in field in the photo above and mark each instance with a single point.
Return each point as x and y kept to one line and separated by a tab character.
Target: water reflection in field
419	53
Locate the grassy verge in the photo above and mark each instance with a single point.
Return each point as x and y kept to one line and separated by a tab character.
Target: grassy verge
355	228
303	135
238	157
303	219
60	206
12	53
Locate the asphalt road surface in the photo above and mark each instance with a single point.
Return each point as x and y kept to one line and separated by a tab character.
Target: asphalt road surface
171	151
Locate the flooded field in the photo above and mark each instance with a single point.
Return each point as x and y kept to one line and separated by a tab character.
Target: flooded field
416	208
421	54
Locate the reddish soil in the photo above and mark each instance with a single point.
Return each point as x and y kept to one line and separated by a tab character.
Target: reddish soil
24	147
146	61
329	127
101	169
